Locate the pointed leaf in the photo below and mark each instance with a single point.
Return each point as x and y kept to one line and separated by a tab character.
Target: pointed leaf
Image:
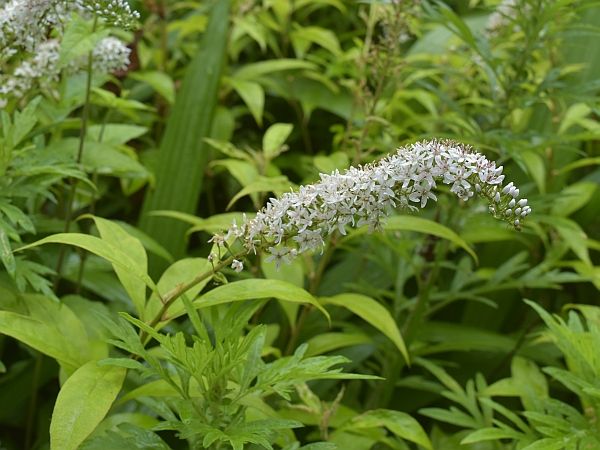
373	312
82	403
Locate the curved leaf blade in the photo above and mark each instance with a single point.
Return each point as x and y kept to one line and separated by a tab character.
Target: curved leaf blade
372	312
255	289
82	403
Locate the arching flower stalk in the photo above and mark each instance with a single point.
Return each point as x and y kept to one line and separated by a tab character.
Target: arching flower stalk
300	221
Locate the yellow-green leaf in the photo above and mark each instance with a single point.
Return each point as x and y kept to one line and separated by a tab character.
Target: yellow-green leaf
82	403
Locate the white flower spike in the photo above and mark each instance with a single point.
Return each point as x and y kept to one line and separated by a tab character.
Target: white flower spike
299	221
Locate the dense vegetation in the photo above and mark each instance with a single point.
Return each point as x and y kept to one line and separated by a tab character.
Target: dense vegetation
299	224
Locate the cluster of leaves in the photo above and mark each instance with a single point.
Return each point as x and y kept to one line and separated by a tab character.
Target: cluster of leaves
288	89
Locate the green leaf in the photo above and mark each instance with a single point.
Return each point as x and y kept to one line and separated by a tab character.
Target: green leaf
571	233
420	225
373	312
303	37
257	289
82	403
399	423
79	39
327	342
277	185
259	69
536	167
574	197
491	434
115	235
99	247
100	157
253	95
6	253
274	139
183	153
178	273
49	327
115	133
159	81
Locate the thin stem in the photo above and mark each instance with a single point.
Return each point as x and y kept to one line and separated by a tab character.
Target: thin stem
82	135
314	283
169	298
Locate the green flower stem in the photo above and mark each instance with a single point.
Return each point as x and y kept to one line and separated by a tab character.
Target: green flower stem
85	114
169	298
314	282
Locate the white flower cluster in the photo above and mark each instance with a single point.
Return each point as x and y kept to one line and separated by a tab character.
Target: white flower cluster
25	23
114	12
42	68
110	55
299	221
28	58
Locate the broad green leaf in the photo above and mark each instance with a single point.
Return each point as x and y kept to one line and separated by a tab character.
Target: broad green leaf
303	37
183	152
243	171
573	197
159	81
100	157
373	312
149	244
274	139
257	289
292	273
399	423
574	116
444	337
536	167
571	233
253	95
115	133
327	342
584	162
49	327
277	185
115	235
259	69
106	250
82	403
420	225
491	434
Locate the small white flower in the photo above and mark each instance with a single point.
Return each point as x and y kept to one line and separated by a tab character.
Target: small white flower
236	265
300	221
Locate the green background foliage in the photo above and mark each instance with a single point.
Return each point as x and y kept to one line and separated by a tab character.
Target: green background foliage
450	330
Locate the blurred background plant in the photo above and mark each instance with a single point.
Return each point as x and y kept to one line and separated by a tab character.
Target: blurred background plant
174	122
